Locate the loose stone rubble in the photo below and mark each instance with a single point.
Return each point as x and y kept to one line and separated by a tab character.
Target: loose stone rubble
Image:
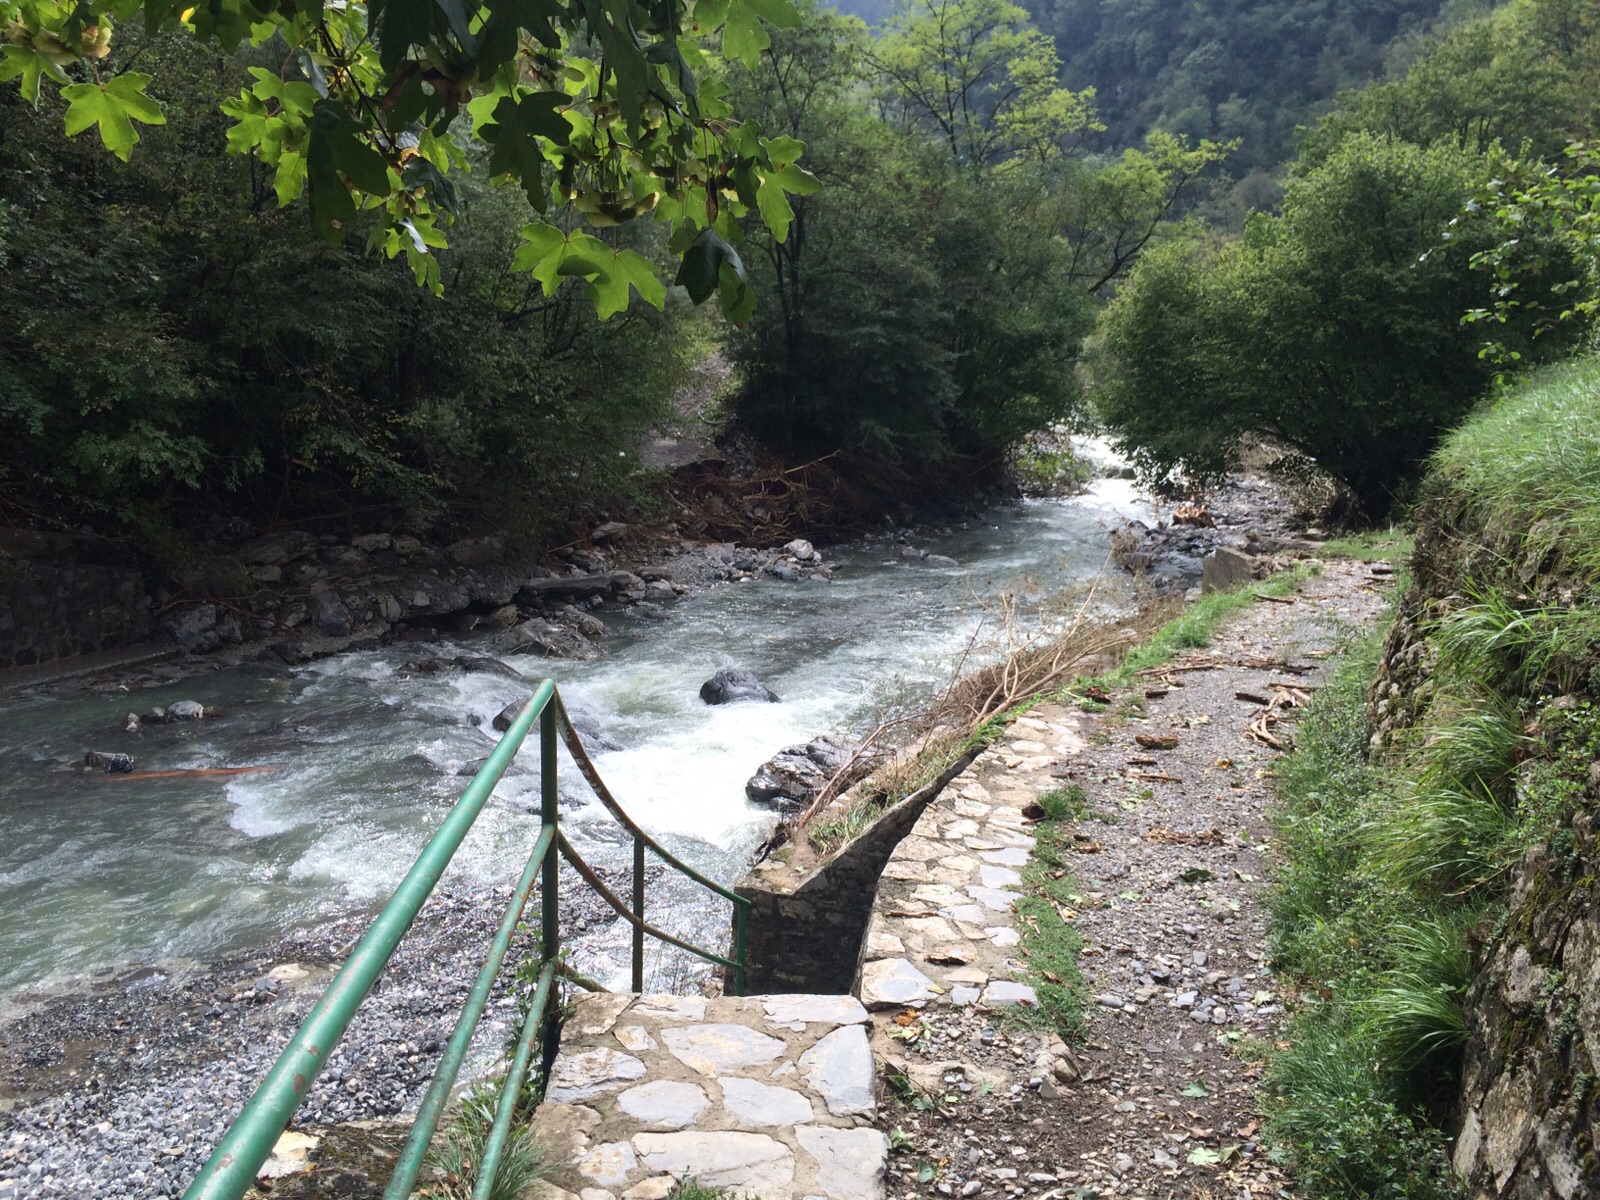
769	1096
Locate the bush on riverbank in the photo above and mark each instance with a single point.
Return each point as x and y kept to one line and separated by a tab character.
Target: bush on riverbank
1397	854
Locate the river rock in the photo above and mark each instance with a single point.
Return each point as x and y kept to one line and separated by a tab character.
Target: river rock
186	710
278	548
796	773
801	549
480	663
1226	568
503	718
195	629
330	614
503	617
940	560
478	551
113	764
609	530
540	636
731	685
535	592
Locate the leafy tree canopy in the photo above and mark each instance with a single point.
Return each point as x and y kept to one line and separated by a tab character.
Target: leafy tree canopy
611	106
1335	327
981	75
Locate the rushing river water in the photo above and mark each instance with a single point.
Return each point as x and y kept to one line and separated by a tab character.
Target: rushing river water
95	870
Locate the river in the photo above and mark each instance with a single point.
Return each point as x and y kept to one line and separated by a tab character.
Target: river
97	871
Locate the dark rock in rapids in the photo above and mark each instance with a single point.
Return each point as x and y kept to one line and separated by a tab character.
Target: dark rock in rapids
795	774
730	686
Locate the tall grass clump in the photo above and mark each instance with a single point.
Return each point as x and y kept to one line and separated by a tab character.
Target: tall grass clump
1527	467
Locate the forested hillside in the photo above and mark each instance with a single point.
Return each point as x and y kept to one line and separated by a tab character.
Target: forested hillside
1365	319
1224	69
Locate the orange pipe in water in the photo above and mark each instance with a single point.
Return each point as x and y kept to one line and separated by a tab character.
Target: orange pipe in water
191	771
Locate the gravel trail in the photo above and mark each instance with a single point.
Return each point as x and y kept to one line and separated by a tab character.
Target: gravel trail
1161	1097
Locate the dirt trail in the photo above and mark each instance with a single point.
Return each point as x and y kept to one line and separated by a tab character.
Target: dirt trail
1174	853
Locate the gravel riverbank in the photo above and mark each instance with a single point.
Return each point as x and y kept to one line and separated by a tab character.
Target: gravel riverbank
123	1088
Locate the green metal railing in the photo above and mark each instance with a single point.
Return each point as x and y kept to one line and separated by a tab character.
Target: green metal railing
232	1167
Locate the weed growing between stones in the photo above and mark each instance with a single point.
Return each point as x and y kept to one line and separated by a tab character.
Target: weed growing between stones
1049	896
458	1149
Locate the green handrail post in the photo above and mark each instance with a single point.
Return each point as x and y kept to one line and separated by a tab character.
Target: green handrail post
549	816
411	1158
511	1091
232	1167
740	913
638	911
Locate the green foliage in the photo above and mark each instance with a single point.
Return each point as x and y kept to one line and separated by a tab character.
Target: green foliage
173	350
690	1188
1341	1122
1192	629
1052	944
981	77
1520	77
1064	804
1345	1094
1549	224
458	1149
1392	859
1335	327
1393	544
615	108
901	329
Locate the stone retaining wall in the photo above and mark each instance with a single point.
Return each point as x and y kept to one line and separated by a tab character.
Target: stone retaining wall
806	928
53	611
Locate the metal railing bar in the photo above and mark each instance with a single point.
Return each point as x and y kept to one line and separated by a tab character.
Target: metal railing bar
611	898
637	964
409	1165
511	1089
569	972
232	1167
581	756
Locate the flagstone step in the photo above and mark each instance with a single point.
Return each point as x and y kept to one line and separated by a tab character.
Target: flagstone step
769	1096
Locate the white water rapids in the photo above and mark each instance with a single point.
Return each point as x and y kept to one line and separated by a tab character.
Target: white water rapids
96	871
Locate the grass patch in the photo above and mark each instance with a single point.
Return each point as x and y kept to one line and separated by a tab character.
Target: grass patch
1377	545
1049	942
458	1149
1526	468
1386	863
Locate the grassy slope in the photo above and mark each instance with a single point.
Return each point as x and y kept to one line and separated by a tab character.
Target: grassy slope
1388	859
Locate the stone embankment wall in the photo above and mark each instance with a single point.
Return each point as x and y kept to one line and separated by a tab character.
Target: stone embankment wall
61	597
1528	1116
1530	1101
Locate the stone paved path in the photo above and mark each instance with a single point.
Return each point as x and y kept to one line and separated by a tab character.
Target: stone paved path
769	1096
941	928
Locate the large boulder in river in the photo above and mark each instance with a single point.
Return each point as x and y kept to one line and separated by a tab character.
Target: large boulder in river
795	774
732	685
